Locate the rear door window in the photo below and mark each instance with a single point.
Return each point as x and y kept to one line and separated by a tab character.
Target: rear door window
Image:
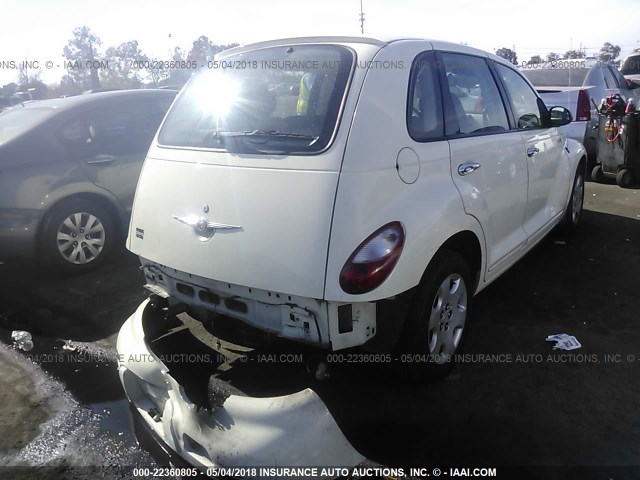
119	129
472	95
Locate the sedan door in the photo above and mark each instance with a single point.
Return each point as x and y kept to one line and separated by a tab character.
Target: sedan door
547	168
111	142
487	162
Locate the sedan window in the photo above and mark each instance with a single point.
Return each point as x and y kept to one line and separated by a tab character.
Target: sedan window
18	120
556	77
608	78
523	99
473	94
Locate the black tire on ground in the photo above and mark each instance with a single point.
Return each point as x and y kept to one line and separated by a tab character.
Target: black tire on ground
423	359
597	175
78	235
624	177
573	213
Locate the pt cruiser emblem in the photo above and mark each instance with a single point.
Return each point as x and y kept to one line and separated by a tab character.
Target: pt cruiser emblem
204	229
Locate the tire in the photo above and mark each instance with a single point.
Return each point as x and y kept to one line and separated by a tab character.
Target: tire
624	178
573	213
436	321
597	175
62	246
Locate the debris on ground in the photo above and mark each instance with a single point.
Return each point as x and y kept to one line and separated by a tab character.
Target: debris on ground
68	346
560	242
22	340
564	341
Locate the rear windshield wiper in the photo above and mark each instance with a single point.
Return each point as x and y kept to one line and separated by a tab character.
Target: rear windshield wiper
222	134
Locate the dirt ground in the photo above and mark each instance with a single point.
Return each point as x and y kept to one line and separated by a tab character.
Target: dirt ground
512	400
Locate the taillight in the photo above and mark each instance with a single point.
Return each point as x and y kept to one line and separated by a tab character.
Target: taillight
374	259
584	109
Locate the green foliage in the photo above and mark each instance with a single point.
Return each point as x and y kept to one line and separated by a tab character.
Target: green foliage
573	54
82	48
508	54
124	69
609	53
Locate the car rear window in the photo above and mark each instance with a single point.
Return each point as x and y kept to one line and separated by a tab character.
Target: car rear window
560	77
631	66
17	120
274	100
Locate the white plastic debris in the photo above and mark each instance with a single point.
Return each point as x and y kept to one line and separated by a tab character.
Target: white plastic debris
564	341
22	340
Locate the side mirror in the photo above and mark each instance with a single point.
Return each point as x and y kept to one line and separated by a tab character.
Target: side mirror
560	116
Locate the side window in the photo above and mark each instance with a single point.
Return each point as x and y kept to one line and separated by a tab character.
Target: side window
619	78
523	99
424	111
122	129
608	77
474	95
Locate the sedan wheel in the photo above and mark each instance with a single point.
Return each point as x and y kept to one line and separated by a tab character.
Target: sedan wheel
77	236
81	238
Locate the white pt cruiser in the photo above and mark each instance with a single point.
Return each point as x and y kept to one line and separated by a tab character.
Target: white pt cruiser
338	192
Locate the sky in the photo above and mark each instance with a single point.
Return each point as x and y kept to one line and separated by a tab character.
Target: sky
41	28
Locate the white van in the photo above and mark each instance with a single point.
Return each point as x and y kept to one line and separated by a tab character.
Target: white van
345	192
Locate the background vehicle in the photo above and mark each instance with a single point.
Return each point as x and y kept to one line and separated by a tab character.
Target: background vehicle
631	69
580	90
69	169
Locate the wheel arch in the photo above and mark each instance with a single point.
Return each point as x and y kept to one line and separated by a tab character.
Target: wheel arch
103	200
467	244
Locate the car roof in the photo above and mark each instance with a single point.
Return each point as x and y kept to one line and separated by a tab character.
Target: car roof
62	104
378	42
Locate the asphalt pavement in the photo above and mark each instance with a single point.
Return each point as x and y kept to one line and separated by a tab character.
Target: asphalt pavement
510	400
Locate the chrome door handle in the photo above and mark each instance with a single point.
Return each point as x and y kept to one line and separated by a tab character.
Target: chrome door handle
531	151
467	168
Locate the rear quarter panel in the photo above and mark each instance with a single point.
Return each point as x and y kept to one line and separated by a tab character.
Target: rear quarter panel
371	193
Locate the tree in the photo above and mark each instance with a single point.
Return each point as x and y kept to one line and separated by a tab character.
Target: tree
508	54
122	60
552	57
9	89
572	54
204	50
178	76
609	53
82	49
26	75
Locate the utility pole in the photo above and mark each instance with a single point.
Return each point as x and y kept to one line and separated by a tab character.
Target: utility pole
361	19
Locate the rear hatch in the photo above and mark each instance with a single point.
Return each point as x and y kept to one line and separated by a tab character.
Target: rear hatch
241	183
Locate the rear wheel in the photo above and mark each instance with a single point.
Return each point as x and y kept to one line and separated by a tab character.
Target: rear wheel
437	319
597	175
573	213
78	236
624	177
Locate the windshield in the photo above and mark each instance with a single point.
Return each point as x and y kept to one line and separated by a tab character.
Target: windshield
561	77
274	100
17	120
631	66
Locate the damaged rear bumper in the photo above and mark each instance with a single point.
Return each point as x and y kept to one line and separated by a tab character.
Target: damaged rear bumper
290	430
